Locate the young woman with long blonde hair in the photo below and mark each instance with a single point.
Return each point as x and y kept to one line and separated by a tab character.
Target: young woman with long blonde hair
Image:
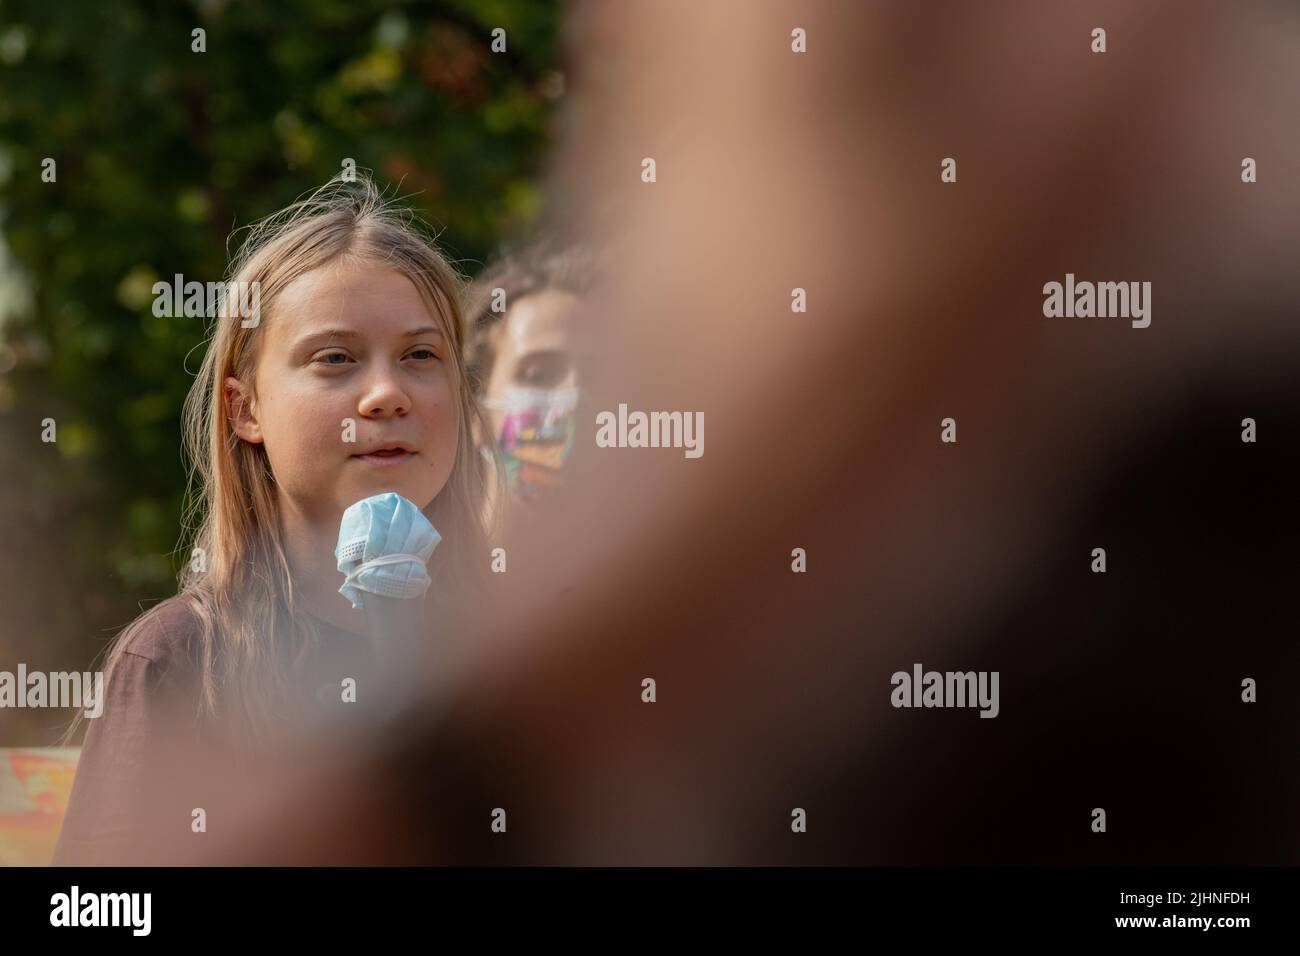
359	322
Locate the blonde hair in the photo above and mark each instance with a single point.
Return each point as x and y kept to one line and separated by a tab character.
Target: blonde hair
232	512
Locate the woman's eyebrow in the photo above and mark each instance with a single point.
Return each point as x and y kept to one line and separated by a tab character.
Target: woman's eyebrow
331	334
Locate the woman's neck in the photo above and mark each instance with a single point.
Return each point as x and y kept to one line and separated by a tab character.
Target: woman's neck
316	577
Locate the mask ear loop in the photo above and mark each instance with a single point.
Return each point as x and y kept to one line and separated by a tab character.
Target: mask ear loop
380	561
554	396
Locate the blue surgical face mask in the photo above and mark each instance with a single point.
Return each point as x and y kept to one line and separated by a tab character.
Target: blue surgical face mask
385	543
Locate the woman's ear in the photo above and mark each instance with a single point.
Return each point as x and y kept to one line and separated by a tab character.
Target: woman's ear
239	406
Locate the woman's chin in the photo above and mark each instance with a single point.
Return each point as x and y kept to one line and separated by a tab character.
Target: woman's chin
380	486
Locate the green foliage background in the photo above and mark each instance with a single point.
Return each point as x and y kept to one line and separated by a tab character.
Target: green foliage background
161	152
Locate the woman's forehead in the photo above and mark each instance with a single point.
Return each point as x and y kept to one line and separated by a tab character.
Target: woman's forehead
539	320
362	296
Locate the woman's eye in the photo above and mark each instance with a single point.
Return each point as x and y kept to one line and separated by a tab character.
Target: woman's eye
333	358
423	354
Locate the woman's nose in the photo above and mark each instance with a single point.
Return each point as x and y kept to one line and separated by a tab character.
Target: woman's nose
384	397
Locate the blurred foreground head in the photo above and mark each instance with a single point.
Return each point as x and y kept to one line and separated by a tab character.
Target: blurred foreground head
820	171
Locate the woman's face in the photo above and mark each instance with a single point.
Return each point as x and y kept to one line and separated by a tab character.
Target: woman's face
354	392
532	348
530	392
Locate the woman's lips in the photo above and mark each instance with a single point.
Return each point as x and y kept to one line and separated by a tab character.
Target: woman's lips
386	459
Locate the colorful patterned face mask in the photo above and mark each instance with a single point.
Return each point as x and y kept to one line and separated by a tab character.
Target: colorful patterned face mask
537	432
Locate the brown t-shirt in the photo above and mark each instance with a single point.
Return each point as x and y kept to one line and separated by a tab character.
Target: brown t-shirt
146	764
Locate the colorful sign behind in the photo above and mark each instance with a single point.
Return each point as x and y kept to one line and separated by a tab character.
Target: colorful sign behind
35	784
